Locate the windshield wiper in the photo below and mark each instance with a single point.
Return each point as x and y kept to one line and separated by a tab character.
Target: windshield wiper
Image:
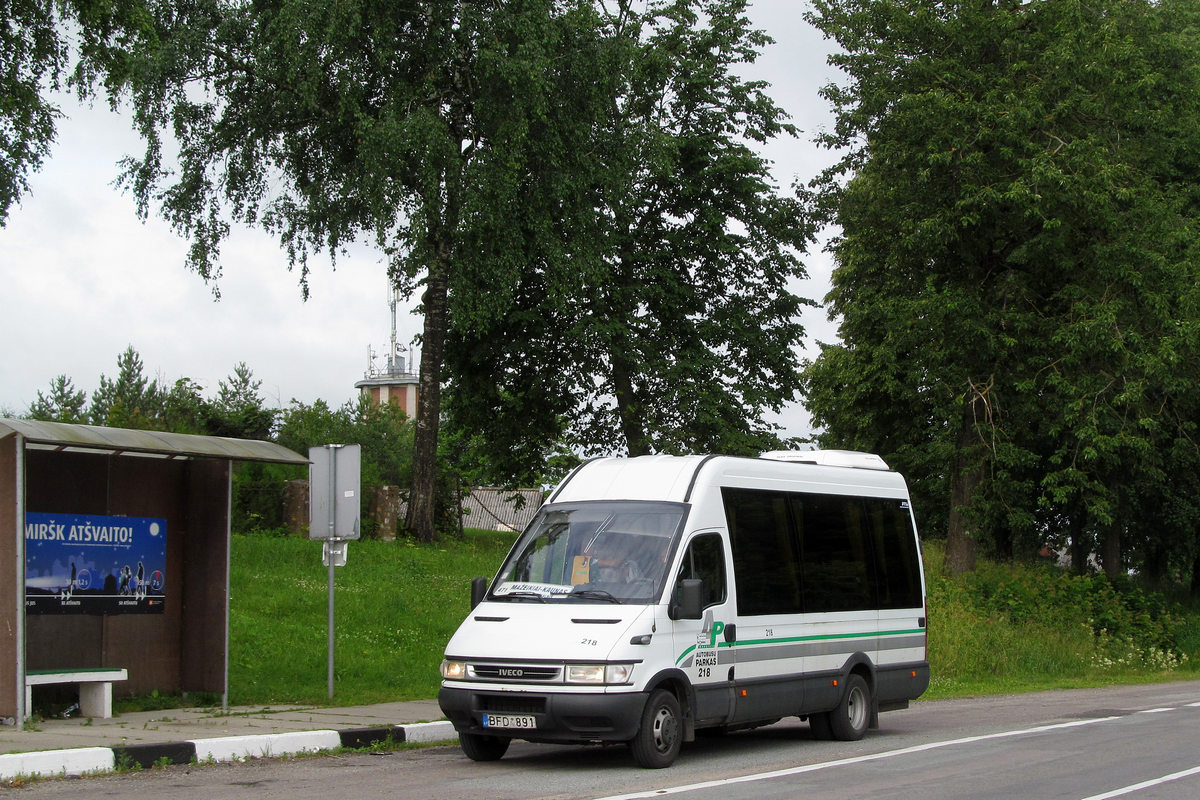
520	596
594	594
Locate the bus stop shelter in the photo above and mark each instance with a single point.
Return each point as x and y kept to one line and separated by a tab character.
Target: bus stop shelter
105	500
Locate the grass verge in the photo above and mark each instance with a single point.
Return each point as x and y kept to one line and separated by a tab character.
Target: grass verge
1003	628
1007	628
395	606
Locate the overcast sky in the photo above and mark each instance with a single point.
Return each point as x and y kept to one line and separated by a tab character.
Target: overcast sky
82	278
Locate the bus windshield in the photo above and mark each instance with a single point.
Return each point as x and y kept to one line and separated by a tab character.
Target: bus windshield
596	552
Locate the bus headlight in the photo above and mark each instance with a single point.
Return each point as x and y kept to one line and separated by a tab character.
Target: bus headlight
454	670
599	674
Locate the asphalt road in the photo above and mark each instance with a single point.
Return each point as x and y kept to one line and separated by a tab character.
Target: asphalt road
1140	742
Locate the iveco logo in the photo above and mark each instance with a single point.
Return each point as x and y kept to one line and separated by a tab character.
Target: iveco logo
511	672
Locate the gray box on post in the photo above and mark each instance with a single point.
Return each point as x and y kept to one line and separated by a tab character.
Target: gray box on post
334	491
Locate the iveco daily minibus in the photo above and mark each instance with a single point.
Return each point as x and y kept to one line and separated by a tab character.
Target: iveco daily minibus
655	596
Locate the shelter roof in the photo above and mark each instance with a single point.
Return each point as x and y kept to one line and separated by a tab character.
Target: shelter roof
65	436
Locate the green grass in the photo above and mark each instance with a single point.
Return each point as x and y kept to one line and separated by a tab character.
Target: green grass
1001	629
1015	628
395	606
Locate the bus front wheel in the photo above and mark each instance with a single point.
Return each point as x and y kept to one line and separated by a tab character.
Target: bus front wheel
483	748
660	736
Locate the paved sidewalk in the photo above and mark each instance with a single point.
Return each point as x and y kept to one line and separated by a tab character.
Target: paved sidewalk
78	745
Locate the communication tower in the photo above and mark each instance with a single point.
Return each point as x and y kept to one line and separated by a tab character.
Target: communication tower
395	383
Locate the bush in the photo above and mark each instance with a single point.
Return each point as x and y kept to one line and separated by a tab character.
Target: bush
1037	625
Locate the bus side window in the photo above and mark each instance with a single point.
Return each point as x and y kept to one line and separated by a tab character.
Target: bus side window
705	559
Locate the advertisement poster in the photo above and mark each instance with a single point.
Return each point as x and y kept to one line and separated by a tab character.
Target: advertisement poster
88	564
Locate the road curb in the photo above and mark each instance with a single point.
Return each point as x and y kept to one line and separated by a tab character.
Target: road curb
83	760
78	761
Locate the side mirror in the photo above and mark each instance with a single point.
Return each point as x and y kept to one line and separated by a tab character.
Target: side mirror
478	590
689	599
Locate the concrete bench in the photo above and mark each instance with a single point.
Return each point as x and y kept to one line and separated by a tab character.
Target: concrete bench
95	687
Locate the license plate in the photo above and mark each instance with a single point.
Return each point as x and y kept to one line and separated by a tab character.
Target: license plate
509	721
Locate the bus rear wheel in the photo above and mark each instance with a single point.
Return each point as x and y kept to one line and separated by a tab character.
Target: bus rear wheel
850	719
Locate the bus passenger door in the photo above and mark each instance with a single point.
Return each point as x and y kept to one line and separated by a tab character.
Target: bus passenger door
700	645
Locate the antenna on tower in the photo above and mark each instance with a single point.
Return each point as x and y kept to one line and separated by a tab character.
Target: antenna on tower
393	383
395	360
394	365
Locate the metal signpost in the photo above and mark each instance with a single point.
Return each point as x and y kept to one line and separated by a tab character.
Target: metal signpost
333	510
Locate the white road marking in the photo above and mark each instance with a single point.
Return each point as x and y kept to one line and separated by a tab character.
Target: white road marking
842	762
1137	787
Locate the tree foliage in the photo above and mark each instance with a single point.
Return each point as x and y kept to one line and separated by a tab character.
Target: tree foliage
32	61
64	403
383	432
560	181
46	47
683	328
1016	274
133	400
417	126
238	410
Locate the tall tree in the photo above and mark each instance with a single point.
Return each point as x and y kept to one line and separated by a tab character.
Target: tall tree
1017	264
692	329
398	122
65	403
684	331
131	400
183	409
238	409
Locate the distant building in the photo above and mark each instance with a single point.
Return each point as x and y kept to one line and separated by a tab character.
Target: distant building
482	507
488	508
500	509
395	383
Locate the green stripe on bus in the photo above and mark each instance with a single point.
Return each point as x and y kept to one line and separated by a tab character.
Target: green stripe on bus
821	638
825	637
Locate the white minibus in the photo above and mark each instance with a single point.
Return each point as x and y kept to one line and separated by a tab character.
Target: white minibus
656	596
